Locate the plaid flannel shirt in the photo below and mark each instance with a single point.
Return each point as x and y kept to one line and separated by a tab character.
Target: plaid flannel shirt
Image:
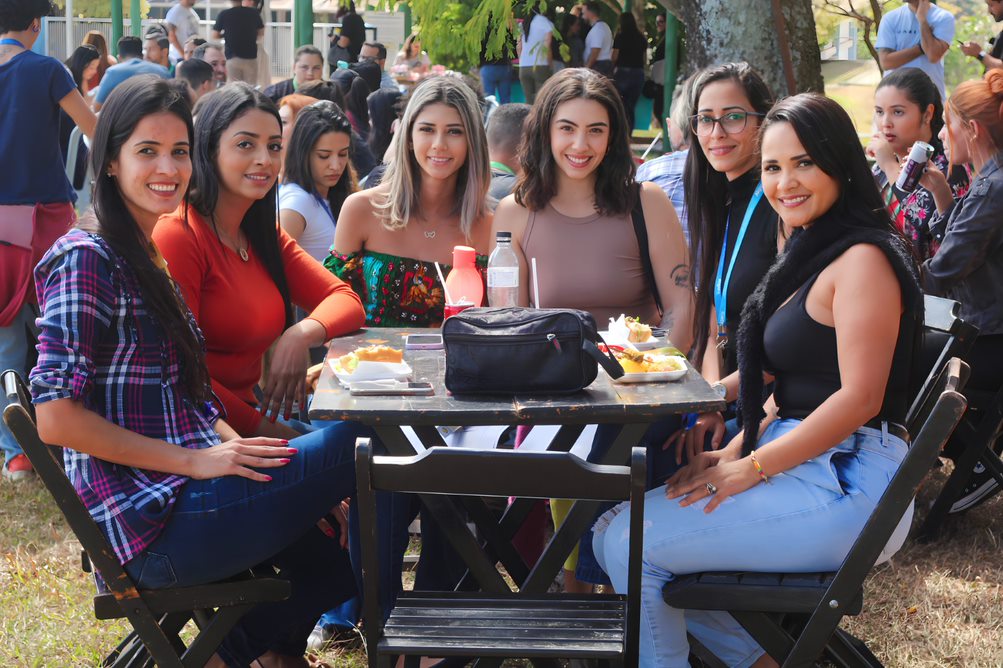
667	172
100	346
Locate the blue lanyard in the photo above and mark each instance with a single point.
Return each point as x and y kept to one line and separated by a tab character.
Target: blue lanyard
724	280
7	41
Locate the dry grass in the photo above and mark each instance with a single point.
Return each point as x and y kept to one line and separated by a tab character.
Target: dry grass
933	605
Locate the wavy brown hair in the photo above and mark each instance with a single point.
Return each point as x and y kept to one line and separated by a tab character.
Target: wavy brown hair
615	191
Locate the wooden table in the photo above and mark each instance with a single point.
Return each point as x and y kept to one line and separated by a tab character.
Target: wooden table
633	406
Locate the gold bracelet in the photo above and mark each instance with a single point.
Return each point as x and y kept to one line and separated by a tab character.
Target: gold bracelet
759	469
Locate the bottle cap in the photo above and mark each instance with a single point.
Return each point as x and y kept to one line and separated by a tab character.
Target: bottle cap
506	236
464	256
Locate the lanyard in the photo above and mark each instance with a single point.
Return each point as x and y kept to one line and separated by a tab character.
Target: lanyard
724	280
501	167
7	41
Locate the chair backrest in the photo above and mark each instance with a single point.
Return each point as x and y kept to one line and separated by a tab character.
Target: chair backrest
19	417
499	473
945	336
940	422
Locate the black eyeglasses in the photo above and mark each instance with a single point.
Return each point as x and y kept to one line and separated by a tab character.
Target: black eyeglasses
732	123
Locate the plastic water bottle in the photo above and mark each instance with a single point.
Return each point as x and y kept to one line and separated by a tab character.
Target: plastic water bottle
503	273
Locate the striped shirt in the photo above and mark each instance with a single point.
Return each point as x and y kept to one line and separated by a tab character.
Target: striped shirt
667	172
100	346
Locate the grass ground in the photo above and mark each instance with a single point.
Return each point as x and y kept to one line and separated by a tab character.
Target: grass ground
933	605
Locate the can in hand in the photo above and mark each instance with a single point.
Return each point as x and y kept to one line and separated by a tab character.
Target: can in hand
912	168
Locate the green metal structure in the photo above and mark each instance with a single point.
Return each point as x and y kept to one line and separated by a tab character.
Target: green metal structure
116	25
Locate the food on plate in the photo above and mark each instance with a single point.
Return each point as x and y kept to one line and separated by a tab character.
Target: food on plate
638	332
349	362
634	361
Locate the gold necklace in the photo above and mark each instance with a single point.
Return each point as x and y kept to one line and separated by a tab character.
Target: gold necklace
235	246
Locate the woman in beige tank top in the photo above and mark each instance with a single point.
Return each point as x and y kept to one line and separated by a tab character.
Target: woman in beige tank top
571	210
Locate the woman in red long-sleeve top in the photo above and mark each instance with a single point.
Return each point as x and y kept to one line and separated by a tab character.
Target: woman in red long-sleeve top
241	274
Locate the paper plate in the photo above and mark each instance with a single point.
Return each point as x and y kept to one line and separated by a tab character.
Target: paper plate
650	344
651	377
372	371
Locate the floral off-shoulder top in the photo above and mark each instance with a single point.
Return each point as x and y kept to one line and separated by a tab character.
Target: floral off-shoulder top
395	291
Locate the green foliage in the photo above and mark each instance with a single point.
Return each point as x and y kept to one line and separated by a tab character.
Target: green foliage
100	9
971	28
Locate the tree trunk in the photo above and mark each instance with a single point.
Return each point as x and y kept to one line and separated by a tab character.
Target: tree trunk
719	31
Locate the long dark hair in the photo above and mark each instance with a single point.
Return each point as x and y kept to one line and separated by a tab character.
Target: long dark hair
78	61
216	113
131	102
706	192
311	124
356	91
919	89
382	113
628	27
616	191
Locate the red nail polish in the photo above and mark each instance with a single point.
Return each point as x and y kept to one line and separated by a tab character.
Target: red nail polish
329	532
292	451
284	461
284	442
272	419
268	478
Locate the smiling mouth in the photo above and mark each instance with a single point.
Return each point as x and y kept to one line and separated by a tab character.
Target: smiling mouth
165	188
721	150
793	202
438	160
576	161
258	178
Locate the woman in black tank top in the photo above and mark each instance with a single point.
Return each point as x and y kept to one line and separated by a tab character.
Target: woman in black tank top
832	324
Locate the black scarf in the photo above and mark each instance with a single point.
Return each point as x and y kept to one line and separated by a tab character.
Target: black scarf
808	252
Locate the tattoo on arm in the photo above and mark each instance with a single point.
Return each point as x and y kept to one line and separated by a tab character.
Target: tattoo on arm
680	275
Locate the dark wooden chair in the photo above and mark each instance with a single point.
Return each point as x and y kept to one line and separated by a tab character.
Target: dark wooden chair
157	616
972	442
795	616
498	622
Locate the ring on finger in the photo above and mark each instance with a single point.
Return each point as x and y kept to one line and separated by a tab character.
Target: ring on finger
711	488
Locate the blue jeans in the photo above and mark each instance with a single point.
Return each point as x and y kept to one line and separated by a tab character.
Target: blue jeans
14	345
223	526
497	81
805	520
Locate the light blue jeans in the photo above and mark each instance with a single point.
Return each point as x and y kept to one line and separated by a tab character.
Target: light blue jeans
13	353
805	520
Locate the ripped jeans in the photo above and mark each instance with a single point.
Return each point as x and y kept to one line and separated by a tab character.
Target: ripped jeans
805	520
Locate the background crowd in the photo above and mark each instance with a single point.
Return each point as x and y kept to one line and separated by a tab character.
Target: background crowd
238	224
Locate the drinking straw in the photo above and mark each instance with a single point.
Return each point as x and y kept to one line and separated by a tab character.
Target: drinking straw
442	280
651	146
536	286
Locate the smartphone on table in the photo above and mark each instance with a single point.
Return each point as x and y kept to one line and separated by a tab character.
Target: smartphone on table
423	342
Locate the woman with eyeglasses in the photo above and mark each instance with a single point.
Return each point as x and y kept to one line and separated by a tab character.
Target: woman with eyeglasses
733	229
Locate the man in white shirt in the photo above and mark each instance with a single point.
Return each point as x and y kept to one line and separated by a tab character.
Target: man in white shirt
182	22
917	34
599	41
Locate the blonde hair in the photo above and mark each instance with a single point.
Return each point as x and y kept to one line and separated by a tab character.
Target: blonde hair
403	175
981	101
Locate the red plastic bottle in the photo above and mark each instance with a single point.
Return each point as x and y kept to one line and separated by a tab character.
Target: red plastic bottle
464	282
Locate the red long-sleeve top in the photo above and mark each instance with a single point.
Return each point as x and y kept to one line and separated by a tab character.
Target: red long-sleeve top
239	308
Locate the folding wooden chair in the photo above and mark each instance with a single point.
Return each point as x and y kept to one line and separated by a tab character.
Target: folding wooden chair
157	616
498	622
795	616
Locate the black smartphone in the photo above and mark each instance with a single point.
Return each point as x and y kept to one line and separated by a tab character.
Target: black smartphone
371	388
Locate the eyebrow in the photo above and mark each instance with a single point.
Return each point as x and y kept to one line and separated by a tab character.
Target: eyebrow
254	135
448	125
590	125
151	142
792	159
736	106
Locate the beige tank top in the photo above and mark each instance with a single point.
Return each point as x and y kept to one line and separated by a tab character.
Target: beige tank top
592	264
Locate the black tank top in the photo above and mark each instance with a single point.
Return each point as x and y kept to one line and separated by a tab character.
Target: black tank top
801	353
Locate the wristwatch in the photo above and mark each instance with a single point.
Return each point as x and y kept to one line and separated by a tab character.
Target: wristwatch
720	389
982	54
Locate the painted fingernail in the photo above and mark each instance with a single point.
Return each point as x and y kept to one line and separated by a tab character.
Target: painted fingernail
284	442
292	451
285	461
268	478
273	418
288	415
328	531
